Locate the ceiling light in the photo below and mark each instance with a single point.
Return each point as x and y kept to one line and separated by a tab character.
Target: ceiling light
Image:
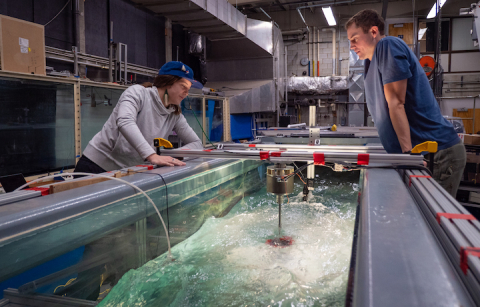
433	11
327	11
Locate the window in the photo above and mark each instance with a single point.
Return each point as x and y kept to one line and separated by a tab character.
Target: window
427	37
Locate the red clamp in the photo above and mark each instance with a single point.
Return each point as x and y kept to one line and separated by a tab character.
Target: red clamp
464	253
318	158
416	176
252	145
276	154
454	216
43	191
264	155
363	159
149	167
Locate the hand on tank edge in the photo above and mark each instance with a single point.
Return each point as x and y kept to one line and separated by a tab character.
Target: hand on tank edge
164	160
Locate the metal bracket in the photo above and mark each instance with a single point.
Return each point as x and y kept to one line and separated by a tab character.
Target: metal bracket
314	136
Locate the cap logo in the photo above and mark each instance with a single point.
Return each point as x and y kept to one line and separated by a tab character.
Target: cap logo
183	68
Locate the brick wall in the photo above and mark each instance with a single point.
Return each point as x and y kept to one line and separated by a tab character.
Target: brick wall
299	50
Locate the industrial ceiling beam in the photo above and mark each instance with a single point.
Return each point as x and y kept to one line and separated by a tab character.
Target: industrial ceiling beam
303	2
156	3
179	12
384	9
280	4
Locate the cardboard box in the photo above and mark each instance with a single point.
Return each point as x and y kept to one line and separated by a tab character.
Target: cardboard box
22	46
474	197
471	139
473	157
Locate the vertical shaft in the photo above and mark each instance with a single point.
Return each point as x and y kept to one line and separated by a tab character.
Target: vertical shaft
279	219
279	201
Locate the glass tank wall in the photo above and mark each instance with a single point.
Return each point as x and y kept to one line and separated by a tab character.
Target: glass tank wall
119	236
36	126
96	106
218	223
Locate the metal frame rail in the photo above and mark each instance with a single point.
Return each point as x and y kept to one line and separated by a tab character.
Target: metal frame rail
457	230
94	61
330	148
318	157
12	297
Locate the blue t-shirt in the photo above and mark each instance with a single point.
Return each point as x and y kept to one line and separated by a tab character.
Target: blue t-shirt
393	61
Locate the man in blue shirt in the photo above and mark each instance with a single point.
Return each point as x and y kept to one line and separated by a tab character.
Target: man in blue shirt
400	99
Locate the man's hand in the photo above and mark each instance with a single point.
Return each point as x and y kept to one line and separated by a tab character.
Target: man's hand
164	160
395	93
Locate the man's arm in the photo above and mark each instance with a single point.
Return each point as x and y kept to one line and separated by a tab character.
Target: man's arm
395	93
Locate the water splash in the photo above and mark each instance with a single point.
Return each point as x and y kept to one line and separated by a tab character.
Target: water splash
227	261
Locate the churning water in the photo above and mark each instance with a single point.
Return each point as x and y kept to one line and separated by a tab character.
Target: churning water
227	263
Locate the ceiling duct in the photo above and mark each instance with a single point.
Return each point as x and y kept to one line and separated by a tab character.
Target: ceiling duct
239	49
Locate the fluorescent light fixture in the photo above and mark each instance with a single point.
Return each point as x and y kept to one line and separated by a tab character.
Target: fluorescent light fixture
421	33
433	11
327	11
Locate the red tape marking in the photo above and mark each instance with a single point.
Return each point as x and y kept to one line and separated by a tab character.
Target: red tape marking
415	176
318	158
363	159
252	145
464	253
455	216
207	150
264	155
149	167
276	154
43	191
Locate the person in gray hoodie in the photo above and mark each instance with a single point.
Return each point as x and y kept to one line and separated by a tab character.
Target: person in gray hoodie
143	113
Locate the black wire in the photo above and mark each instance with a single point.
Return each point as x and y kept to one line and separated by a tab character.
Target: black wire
299	172
68	1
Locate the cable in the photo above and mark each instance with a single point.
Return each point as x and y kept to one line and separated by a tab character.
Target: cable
68	1
301	179
166	193
166	201
300	172
110	178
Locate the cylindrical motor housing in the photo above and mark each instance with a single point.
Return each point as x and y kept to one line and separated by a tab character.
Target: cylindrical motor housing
279	187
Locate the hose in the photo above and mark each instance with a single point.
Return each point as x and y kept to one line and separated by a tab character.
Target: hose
112	178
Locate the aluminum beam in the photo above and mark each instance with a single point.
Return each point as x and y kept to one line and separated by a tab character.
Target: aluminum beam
323	148
94	61
455	231
13	197
304	156
399	262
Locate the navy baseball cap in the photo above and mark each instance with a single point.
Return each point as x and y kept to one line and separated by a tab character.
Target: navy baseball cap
179	69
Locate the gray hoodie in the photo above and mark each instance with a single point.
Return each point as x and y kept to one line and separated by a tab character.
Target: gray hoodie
126	139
